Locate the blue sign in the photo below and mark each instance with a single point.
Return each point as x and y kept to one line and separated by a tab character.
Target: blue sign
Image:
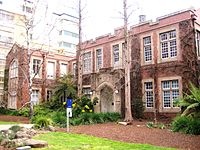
69	103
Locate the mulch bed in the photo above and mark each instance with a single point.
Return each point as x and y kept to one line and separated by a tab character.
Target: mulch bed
19	119
137	132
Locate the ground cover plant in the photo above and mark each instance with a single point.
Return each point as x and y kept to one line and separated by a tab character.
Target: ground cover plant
189	120
58	141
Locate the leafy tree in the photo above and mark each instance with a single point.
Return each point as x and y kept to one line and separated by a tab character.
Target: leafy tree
64	87
191	102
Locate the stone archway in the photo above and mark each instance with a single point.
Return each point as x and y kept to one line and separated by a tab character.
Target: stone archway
106	99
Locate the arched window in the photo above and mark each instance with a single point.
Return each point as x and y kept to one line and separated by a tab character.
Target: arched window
13	85
14	69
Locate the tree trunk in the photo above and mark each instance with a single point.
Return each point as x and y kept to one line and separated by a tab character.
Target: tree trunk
127	62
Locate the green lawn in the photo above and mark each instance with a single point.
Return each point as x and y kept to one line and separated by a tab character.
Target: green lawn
5	122
64	141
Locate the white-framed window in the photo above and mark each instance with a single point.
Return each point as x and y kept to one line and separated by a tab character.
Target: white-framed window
49	94
87	62
168	44
36	66
74	69
35	96
147	49
98	59
63	69
198	42
116	54
87	92
14	69
51	69
170	92
149	98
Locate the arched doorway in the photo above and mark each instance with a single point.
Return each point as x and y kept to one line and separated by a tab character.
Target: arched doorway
106	99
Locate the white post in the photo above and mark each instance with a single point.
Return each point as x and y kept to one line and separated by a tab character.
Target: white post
67	112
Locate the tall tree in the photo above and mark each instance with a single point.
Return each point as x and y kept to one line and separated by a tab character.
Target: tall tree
127	62
79	51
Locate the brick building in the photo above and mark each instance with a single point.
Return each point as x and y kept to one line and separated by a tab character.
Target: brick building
164	55
45	67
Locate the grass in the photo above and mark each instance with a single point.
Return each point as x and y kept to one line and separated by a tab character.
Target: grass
5	123
64	141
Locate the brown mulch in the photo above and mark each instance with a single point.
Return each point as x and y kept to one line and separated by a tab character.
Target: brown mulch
139	133
135	133
19	119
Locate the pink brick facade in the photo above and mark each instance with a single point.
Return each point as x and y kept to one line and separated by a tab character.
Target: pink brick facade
41	82
160	72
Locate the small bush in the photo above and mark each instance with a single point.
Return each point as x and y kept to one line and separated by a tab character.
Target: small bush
150	124
59	118
186	124
93	118
42	122
15	128
24	112
155	125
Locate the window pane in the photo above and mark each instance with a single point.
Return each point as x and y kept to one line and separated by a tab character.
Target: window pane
164	48
166	98
163	36
116	53
174	84
172	34
173	50
63	69
99	58
166	84
149	98
149	94
50	69
87	62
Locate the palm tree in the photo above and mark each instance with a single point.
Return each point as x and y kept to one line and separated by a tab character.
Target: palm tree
191	102
65	87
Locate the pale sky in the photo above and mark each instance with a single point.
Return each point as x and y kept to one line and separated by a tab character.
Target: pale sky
103	16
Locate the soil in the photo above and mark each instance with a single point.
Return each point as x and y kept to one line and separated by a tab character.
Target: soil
137	132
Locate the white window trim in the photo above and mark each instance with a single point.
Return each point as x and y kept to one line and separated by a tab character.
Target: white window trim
97	69
39	95
120	63
197	48
148	109
67	69
167	29
91	64
39	75
161	107
54	75
144	45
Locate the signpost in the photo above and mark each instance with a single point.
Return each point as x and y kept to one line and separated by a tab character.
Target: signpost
68	111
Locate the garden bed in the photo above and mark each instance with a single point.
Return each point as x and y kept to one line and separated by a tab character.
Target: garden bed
135	133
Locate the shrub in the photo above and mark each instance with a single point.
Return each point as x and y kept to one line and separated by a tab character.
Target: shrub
186	124
15	128
155	125
82	105
24	112
43	122
59	118
93	118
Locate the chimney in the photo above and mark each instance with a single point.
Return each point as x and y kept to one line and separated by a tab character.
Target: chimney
142	18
